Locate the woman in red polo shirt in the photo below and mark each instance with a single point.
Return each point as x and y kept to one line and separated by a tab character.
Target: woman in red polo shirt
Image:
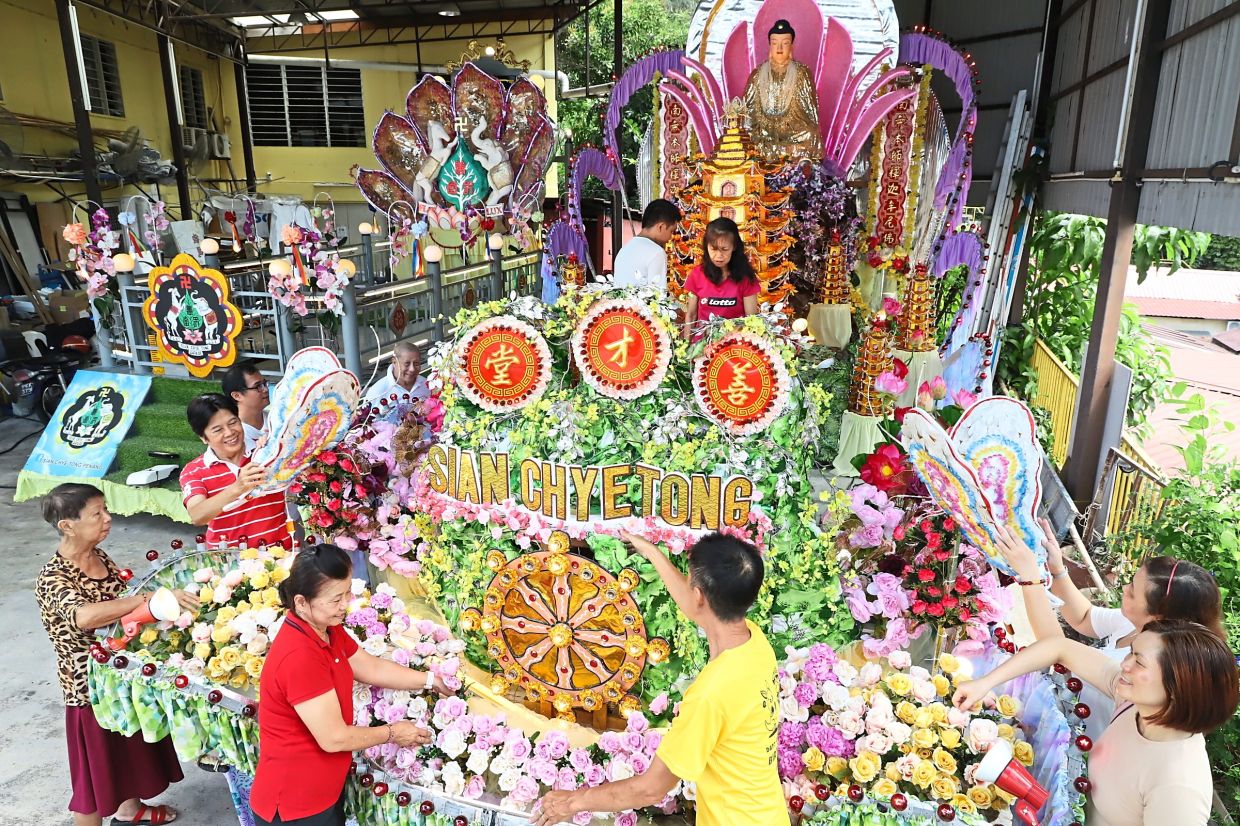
213	484
306	690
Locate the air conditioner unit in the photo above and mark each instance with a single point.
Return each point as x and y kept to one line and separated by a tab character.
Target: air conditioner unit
219	146
190	135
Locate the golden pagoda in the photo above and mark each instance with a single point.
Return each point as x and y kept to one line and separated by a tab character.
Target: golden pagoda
835	287
917	321
732	184
874	357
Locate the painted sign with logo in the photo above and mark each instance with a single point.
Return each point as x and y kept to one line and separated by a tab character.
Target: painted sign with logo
189	311
92	420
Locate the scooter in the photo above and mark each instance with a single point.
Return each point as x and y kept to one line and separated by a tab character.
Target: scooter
36	384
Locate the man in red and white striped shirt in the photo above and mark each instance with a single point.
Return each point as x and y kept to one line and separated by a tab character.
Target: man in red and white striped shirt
213	484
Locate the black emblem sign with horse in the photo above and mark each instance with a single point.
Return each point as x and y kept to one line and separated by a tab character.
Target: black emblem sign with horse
190	314
90	418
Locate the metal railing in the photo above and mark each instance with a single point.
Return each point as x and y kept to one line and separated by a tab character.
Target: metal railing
1129	495
1056	392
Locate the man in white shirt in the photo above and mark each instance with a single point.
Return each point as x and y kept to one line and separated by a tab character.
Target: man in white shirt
249	388
401	379
642	262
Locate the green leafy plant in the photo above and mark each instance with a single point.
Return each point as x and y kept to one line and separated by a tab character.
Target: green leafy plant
1222	254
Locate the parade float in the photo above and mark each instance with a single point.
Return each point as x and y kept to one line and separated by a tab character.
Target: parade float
823	430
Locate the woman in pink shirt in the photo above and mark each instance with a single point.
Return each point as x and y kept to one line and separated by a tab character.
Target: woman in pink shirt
724	285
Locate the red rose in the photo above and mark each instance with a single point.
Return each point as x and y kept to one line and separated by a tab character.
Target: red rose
899	413
295	488
346	464
314	498
919	607
926	526
886	470
324	519
334	504
925	575
876	260
949	524
900	264
899	368
935	610
335	486
934	591
327	457
899	533
965	615
317	476
950	602
942	556
963	585
934	539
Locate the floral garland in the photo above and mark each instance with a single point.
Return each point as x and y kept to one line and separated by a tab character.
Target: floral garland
314	254
539	354
660	344
93	252
776	382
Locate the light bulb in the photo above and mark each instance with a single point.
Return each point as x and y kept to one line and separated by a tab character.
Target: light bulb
434	254
209	246
280	268
366	228
495	241
123	262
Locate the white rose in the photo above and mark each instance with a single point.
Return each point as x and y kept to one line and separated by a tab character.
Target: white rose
509	780
222	594
919	674
375	646
258	645
502	763
846	673
417	708
452	742
900	660
870	674
792	711
265	616
233	578
384	588
398	626
193	667
478	761
898	732
619	769
982	734
358	587
453	779
690	791
201	632
398	606
835	696
203	575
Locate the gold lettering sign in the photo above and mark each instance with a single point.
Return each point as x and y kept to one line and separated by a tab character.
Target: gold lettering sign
698	501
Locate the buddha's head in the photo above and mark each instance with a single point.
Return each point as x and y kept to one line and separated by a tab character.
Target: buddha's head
780	38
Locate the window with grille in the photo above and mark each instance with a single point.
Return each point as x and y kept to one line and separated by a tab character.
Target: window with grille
305	106
103	79
193	100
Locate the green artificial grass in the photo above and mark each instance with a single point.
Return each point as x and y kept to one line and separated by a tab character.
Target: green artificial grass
160	425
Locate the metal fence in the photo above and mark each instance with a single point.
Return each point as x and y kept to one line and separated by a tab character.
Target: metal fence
1056	392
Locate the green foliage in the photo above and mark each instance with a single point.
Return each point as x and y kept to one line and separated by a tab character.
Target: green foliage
1062	284
1200	521
948	293
1222	254
648	25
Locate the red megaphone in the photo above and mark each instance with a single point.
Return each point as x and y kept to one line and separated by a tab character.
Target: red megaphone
1011	776
162	607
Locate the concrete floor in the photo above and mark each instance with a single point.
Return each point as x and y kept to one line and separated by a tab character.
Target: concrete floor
34	769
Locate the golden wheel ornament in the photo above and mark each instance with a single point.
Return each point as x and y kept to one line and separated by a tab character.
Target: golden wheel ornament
563	630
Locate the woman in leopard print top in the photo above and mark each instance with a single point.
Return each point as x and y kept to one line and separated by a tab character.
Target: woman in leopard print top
78	591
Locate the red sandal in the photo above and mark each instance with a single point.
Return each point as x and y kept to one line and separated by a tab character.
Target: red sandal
154	815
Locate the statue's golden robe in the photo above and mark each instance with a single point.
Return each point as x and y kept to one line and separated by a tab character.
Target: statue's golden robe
783	112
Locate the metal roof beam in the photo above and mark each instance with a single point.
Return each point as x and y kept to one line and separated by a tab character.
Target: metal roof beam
223	41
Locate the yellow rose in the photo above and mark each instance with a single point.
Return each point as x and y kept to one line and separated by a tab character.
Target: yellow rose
814	759
230	657
1023	752
148	635
884	788
906	711
924	718
1008	705
923	774
225	615
900	684
865	766
239	680
941	685
1007	732
276	551
943	787
948	663
939	711
950	737
174	638
248	553
254	666
215	669
963	805
892	772
205	594
260	580
837	767
944	762
981	797
924	738
278	574
271	598
202	651
221	634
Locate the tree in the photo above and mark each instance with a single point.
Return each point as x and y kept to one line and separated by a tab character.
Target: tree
1222	254
648	25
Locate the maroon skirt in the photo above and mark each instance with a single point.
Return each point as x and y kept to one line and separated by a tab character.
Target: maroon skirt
107	768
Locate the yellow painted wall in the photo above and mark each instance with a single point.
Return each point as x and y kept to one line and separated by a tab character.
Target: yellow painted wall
34	82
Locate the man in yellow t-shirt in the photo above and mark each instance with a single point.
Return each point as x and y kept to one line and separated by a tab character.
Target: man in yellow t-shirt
724	737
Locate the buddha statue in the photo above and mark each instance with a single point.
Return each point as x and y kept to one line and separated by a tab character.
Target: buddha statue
781	102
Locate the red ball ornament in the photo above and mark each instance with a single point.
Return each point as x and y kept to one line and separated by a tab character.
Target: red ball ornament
1081	711
380	789
947	813
1000	632
1060	668
366	780
1082	785
177	544
1008	646
125	574
855	793
181	681
899	802
148	670
214	696
1084	743
1075	685
100	656
120	661
200	538
427	808
249	710
796	803
822	792
460	820
403	799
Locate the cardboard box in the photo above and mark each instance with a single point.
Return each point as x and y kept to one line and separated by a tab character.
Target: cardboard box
67	306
